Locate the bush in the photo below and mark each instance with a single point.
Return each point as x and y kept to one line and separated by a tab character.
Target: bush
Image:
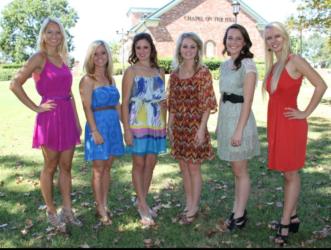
261	70
165	63
212	64
216	74
7	74
11	66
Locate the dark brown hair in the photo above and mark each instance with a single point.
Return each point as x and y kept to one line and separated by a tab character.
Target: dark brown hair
153	57
244	53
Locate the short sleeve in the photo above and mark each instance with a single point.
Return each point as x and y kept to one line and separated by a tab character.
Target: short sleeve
249	65
207	97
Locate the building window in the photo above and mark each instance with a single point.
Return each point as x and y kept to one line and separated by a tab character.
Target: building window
210	47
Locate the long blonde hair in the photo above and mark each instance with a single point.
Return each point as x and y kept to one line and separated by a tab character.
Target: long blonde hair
178	59
269	56
62	49
89	66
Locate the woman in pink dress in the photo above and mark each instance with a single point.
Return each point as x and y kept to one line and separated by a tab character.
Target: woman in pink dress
57	129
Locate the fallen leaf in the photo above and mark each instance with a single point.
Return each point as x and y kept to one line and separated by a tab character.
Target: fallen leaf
28	223
211	233
42	207
3	225
24	231
221	226
148	243
279	204
84	246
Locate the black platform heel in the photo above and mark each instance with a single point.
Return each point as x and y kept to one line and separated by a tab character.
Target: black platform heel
238	222
294	227
281	239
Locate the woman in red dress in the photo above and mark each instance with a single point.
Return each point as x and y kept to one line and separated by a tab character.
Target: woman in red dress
287	125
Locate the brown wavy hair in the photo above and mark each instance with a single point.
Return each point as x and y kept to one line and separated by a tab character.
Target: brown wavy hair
245	52
153	57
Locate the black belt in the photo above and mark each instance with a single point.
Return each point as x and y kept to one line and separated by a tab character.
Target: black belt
104	108
232	98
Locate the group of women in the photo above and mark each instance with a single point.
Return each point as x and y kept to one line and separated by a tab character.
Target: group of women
189	99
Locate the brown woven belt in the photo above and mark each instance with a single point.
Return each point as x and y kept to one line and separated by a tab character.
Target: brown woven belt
104	108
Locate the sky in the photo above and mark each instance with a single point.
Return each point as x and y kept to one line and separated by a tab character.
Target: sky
100	19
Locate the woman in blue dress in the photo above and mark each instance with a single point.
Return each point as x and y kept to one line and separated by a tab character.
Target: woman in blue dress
143	118
103	135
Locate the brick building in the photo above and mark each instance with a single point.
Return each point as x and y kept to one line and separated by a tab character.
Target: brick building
208	18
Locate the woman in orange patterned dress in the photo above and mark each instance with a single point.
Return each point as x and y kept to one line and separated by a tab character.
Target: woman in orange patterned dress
191	100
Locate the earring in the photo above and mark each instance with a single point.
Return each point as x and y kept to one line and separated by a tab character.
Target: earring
269	50
242	52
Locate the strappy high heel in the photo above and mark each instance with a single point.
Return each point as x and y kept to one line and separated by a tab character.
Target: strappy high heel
228	220
293	226
281	239
238	222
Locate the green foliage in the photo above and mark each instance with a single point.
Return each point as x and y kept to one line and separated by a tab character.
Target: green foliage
7	74
212	64
313	15
165	63
115	48
317	50
11	66
21	20
216	74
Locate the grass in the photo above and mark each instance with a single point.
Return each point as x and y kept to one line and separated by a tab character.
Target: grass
23	221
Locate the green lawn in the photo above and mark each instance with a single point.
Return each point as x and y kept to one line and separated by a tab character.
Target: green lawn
23	221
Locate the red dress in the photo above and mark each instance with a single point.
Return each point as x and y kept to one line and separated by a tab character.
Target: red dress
287	139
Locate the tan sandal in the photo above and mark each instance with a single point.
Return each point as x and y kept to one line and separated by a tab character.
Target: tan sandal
68	217
186	220
55	221
105	220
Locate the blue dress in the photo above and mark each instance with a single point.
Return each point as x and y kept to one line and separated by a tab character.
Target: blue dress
146	118
108	125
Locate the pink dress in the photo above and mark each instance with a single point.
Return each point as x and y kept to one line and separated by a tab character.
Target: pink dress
55	129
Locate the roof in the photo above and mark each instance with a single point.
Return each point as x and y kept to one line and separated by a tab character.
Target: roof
141	10
154	18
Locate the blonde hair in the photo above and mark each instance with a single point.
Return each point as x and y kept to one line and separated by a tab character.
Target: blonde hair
269	56
178	59
89	66
62	49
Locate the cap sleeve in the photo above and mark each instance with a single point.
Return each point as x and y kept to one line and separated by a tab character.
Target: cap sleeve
249	65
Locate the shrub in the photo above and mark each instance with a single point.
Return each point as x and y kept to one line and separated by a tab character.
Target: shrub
212	64
165	63
7	74
11	66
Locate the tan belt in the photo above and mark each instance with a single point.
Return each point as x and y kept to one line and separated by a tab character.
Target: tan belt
104	108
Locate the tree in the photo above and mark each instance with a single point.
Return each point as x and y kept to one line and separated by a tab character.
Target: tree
115	51
21	20
316	50
315	15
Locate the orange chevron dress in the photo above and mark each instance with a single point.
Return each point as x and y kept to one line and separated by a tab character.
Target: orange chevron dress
188	99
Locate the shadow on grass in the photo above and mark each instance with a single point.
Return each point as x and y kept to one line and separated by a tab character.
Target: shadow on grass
20	201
